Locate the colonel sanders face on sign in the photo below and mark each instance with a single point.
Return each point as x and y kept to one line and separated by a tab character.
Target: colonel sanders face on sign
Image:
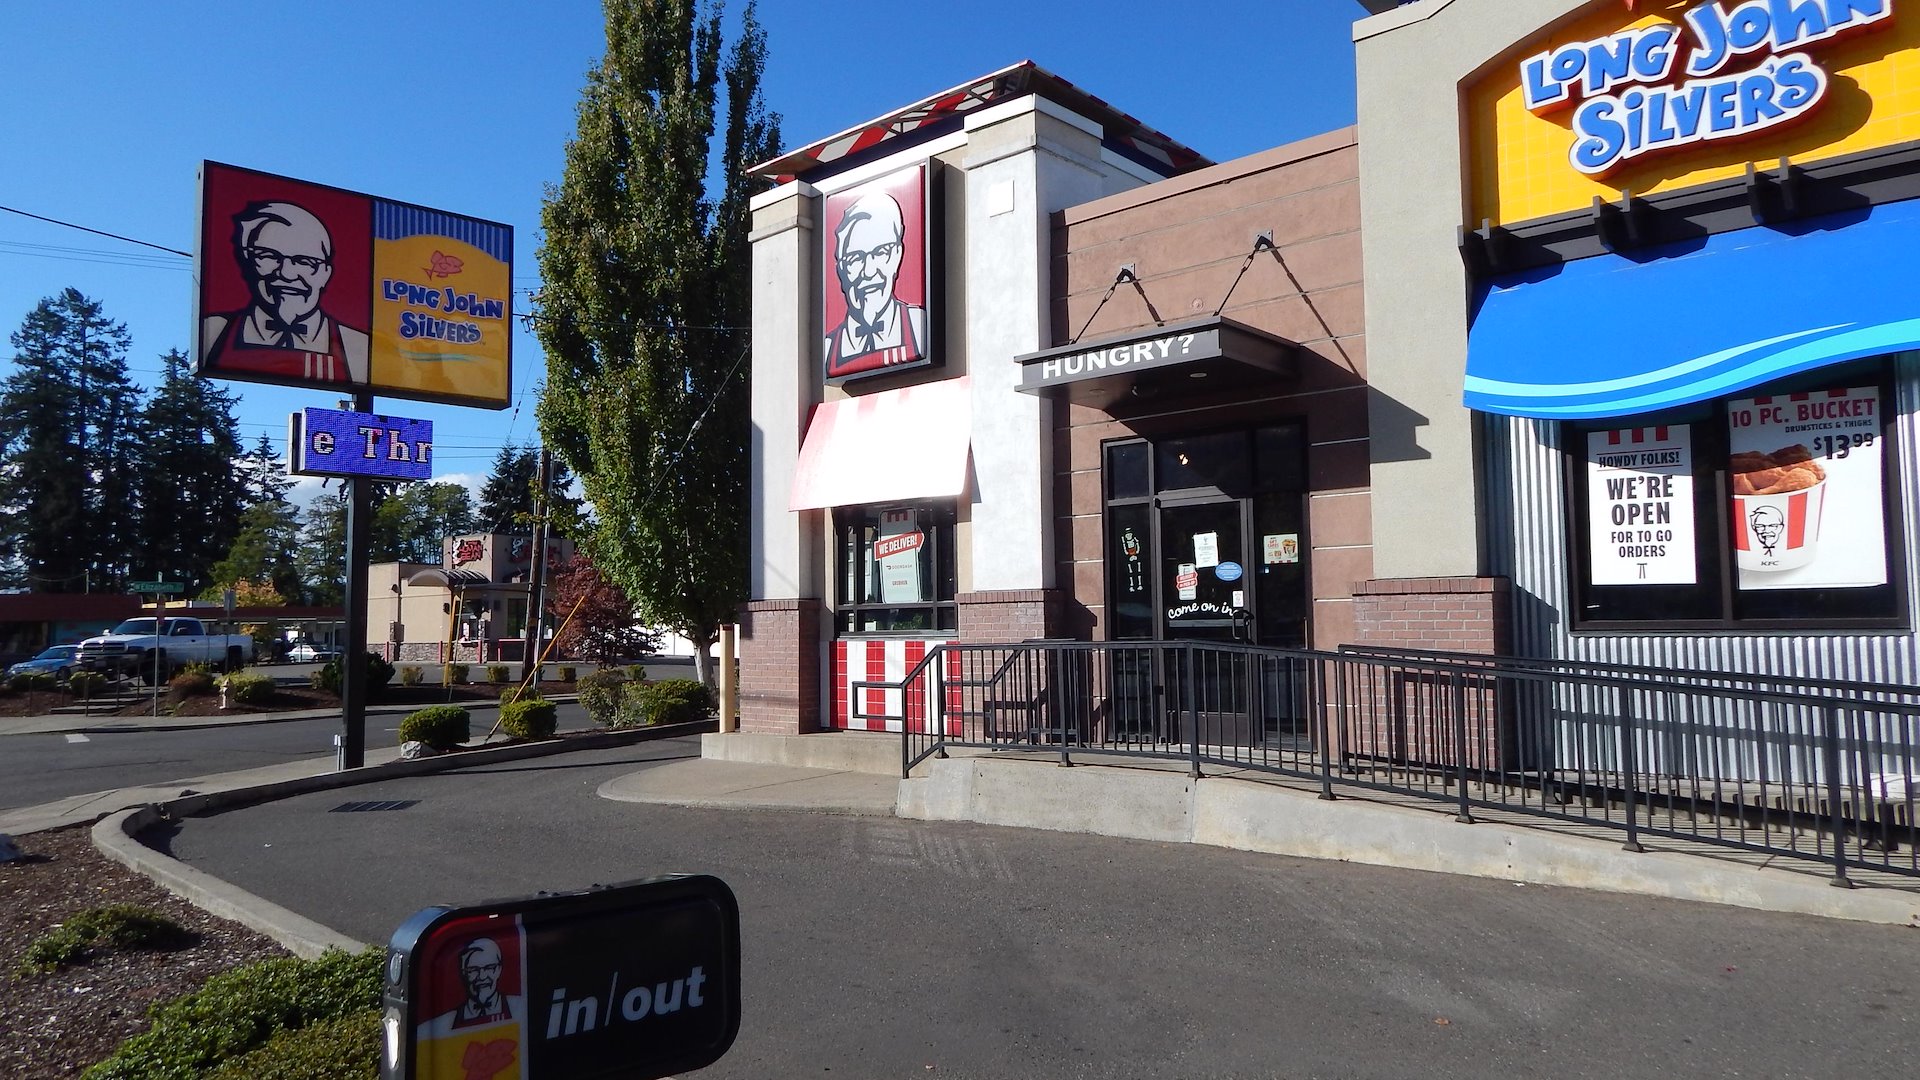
285	255
880	329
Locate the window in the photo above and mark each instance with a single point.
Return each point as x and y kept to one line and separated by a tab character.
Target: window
895	569
1775	508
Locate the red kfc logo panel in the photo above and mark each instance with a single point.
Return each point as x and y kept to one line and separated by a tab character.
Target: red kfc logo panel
875	261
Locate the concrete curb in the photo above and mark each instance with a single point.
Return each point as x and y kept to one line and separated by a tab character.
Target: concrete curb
1248	815
117	836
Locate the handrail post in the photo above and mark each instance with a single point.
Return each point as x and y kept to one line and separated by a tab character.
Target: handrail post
1465	814
1630	753
1059	670
1193	714
1830	740
1320	709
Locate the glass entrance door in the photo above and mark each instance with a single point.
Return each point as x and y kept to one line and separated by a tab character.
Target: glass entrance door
1203	560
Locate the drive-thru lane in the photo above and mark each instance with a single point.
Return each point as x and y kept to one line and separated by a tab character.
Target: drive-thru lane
877	947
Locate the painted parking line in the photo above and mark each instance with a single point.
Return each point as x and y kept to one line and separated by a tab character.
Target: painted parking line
74	736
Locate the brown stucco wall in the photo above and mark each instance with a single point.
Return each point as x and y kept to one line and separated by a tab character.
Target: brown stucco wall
1187	239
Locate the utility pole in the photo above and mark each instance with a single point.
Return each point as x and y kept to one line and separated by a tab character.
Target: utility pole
537	576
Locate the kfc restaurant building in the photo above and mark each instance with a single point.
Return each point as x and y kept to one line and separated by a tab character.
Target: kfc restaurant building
1025	368
1641	310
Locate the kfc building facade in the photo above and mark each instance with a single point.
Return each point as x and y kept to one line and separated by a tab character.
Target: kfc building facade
1025	368
1640	307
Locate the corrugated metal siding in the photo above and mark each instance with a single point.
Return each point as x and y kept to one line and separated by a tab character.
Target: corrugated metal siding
1527	541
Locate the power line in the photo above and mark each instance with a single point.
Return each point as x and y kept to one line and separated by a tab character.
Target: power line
100	232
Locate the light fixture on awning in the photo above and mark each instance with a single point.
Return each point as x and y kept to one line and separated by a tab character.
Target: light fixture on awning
1615	335
890	446
1209	354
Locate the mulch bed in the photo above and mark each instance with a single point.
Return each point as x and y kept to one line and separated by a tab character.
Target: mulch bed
56	1025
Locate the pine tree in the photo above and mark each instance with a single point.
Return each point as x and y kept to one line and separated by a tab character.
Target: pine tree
266	550
506	499
322	553
264	473
644	304
69	428
192	488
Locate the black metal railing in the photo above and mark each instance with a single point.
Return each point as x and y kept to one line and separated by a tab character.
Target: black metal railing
1779	765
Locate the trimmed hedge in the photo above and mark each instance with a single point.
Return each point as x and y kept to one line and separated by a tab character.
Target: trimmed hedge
600	695
442	727
529	718
86	684
31	680
457	674
116	926
190	684
496	673
250	688
344	1048
411	676
379	674
243	1009
569	673
674	701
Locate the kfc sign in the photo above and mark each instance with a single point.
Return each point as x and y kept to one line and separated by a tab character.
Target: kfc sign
877	294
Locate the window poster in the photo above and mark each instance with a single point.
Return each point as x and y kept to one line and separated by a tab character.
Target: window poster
1640	528
1807	485
896	555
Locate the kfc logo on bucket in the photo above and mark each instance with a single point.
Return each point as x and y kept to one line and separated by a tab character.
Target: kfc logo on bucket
1778	499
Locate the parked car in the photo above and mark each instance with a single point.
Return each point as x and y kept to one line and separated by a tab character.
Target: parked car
134	648
59	661
308	653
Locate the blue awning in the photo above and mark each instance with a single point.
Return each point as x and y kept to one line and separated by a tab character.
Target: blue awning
1616	335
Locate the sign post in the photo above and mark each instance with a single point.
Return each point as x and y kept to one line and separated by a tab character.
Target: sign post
159	590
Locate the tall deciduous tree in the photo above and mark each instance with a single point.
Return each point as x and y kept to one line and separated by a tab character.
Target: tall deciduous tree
191	487
410	524
69	424
644	306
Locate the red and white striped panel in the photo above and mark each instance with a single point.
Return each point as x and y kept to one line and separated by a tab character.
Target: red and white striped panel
887	660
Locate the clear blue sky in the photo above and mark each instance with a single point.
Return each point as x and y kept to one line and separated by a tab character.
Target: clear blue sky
111	106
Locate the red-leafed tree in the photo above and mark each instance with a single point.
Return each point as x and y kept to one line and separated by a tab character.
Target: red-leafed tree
598	620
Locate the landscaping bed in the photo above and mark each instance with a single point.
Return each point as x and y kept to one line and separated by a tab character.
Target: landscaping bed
286	698
55	1025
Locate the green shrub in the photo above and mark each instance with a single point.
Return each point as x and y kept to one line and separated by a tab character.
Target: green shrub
411	676
569	673
86	684
600	694
529	718
118	926
379	674
636	673
243	1009
675	701
200	667
188	684
249	688
344	1048
439	726
457	674
631	711
31	680
496	673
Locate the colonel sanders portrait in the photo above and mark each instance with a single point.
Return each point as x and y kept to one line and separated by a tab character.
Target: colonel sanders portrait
869	242
480	966
285	255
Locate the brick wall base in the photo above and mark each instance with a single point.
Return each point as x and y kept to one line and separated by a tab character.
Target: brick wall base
1449	614
1428	718
780	660
1010	615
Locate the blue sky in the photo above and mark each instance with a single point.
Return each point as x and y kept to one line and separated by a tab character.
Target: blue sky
111	106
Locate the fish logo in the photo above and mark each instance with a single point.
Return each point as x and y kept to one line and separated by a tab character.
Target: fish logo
444	265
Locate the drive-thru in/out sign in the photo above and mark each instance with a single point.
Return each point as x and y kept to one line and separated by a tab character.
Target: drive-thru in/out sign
627	982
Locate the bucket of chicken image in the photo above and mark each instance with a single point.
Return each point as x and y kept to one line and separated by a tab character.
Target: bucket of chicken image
1778	499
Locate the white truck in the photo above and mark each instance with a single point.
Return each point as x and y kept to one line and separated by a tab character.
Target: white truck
134	648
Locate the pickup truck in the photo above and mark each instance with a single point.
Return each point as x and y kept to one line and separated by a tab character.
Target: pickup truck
133	648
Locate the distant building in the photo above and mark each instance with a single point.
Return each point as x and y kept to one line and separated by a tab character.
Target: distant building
471	608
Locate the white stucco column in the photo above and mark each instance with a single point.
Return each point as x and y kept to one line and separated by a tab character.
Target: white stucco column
1024	161
785	544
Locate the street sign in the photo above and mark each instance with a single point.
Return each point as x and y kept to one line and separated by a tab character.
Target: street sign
628	982
164	588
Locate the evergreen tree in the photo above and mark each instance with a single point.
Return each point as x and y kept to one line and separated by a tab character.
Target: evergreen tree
411	523
266	550
69	428
264	473
506	499
644	304
191	485
322	552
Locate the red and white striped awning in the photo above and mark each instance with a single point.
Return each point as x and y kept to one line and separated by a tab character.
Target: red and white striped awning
891	446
